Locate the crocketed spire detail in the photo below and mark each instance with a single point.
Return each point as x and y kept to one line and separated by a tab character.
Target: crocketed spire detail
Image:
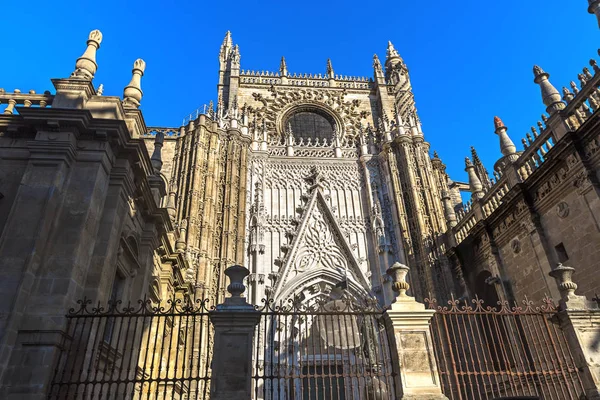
480	170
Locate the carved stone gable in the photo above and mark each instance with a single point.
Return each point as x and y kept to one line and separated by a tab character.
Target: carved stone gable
319	246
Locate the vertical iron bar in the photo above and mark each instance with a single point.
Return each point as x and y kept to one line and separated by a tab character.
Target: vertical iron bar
505	370
457	333
456	368
544	369
473	370
526	347
146	351
476	345
557	357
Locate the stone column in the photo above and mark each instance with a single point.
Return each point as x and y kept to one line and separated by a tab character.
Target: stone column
580	320
419	377
234	321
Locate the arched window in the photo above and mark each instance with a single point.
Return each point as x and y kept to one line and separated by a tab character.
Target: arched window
311	123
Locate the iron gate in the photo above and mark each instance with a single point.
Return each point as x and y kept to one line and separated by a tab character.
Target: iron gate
140	352
334	350
487	353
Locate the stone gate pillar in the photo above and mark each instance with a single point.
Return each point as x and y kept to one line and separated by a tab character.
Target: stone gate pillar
234	322
418	373
580	320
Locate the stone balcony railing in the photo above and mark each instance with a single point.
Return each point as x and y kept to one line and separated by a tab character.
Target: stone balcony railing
581	104
309	80
169	133
8	101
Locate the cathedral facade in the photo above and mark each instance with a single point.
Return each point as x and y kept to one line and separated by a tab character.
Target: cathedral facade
316	183
300	178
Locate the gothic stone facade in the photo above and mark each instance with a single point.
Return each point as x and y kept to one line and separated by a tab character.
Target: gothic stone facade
314	182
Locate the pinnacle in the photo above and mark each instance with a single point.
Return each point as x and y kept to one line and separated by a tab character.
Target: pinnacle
537	71
227	42
498	123
474	154
391	51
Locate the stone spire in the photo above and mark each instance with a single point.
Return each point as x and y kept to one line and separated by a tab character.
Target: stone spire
507	147
132	95
156	158
283	71
86	66
474	183
330	72
594	8
391	52
480	170
226	47
550	95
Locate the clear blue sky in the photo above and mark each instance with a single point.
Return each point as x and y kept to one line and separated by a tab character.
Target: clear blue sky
469	60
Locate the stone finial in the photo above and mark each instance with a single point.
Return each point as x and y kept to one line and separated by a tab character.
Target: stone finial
498	123
594	65
563	276
474	182
226	47
594	8
566	287
100	90
377	64
507	147
235	56
180	244
449	210
156	158
391	51
171	208
435	154
86	66
236	275
474	155
132	95
283	71
398	274
330	72
550	96
567	95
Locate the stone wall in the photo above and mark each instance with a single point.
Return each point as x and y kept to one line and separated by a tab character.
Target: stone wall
549	218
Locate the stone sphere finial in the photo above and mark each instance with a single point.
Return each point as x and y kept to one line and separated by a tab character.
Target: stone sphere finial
398	273
86	66
132	95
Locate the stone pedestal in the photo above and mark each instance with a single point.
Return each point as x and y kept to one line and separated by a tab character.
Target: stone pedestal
580	321
582	329
234	322
419	377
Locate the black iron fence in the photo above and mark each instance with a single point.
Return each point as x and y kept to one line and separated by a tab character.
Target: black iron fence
330	349
488	353
142	351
